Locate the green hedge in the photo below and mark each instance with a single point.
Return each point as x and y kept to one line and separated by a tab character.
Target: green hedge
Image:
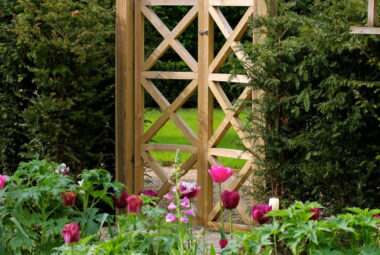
319	113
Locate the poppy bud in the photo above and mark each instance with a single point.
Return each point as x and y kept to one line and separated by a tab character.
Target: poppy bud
223	243
230	199
122	201
134	204
259	211
71	233
220	174
68	198
315	216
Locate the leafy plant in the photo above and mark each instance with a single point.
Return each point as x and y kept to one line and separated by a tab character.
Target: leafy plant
33	214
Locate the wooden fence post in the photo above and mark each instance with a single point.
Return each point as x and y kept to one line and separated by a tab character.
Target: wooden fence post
205	109
124	93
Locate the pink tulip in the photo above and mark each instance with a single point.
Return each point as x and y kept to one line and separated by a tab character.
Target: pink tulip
68	198
121	203
315	216
189	189
170	217
71	233
3	178
134	204
230	199
223	243
220	174
149	193
259	211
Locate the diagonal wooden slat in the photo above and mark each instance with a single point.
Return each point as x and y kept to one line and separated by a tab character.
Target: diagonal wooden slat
226	30
174	34
164	104
177	103
226	107
226	123
235	36
165	32
156	167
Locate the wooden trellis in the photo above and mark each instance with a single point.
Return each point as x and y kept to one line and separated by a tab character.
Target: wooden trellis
134	78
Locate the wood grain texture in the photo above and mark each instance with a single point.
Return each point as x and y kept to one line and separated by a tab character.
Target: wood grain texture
124	93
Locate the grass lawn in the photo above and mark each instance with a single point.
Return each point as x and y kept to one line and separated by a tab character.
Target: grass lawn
170	134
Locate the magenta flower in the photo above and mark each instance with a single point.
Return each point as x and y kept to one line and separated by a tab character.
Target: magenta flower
168	196
259	211
189	212
189	189
223	243
121	203
171	206
230	199
71	233
377	216
220	174
134	204
170	217
315	216
185	202
68	198
149	193
3	178
184	219
63	169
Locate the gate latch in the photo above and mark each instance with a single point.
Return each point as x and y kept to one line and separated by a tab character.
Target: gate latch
203	32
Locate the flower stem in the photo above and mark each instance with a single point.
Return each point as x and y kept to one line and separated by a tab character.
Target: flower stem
275	244
221	206
72	249
231	224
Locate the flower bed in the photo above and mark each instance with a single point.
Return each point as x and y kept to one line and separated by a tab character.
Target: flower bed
44	210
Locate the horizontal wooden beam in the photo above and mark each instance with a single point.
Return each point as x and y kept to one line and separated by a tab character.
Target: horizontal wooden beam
365	30
169	147
235	227
231	2
169	75
225	77
230	153
170	2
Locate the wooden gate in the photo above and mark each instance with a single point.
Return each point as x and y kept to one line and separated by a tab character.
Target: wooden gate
134	78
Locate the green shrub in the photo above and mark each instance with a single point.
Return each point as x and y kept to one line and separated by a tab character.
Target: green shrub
317	115
59	86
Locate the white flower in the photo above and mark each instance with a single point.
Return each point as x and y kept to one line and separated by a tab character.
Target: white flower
80	183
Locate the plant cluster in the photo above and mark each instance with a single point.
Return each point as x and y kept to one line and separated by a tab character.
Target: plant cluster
41	197
44	210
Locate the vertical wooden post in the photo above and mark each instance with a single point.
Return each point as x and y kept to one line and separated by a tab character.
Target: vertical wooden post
205	110
124	90
139	97
372	13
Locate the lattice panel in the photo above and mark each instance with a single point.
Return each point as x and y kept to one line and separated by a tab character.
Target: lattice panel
204	78
232	44
146	84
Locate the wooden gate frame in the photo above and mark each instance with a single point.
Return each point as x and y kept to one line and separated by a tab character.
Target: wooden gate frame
133	76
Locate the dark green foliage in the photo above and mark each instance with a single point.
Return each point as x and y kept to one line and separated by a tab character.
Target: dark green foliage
59	82
318	113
